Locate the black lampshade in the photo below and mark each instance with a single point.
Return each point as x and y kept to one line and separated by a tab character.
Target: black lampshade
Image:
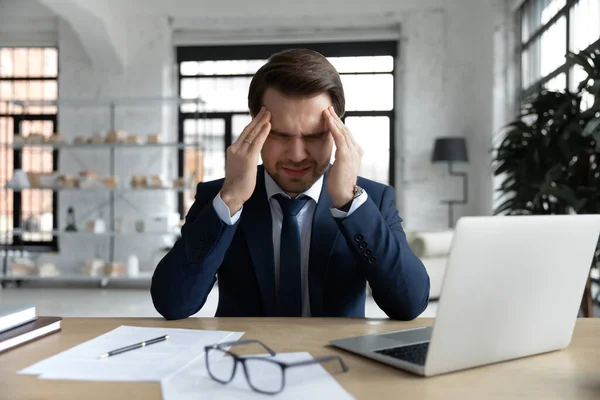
450	149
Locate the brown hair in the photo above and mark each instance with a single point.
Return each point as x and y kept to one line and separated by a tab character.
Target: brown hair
297	72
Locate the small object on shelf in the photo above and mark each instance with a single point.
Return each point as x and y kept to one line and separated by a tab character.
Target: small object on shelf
57	138
111	182
71	226
154	138
133	139
116	137
114	269
87	179
18	140
155	181
80	140
22	267
31	224
47	270
97	225
97	138
192	180
47	180
178	183
94	267
139	181
67	181
133	266
34	179
35	138
20	180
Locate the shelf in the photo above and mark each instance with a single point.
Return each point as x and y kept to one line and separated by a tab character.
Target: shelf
94	146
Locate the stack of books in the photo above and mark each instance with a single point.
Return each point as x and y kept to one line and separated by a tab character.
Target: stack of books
20	325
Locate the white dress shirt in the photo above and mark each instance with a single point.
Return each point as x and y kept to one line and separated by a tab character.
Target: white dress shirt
305	217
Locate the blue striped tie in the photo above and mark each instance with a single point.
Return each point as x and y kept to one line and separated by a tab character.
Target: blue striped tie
290	275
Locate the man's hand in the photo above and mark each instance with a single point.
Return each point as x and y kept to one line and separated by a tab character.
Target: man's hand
242	158
348	156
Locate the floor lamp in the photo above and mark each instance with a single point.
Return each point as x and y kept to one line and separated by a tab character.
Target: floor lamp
451	150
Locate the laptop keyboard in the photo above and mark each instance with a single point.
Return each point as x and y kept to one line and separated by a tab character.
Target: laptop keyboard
414	353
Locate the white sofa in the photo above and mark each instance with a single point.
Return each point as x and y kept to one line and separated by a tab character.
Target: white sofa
432	248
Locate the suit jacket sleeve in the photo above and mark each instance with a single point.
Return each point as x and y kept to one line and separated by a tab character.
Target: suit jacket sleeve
398	279
184	277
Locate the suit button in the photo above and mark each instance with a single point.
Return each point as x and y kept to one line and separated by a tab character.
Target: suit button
359	237
368	253
372	260
363	245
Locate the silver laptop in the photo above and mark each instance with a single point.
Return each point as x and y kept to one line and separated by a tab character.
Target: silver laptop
512	288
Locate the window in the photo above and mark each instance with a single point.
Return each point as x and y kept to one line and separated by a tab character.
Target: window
221	75
550	29
27	216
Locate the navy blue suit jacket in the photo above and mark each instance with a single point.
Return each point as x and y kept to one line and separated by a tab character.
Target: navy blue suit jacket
367	246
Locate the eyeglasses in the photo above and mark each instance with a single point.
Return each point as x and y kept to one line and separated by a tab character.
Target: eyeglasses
263	374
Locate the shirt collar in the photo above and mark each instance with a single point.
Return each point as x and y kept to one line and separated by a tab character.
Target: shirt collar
273	188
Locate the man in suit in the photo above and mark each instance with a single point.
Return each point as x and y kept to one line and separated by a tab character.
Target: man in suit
295	236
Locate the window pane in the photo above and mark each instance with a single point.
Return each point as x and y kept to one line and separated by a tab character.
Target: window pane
363	64
20	63
238	123
373	135
558	83
220	94
369	92
36	62
577	75
50	63
229	67
188	68
585	24
537	13
553	47
208	161
6	62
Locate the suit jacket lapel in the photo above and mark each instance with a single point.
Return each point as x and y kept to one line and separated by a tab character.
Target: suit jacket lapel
322	239
256	223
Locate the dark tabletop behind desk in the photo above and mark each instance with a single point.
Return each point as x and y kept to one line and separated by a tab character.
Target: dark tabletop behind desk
570	374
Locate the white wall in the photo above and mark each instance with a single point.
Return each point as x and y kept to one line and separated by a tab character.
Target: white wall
27	23
445	82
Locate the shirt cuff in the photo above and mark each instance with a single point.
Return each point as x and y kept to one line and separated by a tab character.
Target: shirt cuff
224	212
357	202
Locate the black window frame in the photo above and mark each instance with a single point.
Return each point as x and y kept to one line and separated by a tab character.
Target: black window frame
523	46
263	52
18	118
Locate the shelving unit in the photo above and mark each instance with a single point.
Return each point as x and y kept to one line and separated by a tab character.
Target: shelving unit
59	147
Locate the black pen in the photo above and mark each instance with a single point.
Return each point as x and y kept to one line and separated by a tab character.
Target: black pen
135	346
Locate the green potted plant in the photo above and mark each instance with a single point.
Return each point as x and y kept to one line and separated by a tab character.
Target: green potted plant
548	158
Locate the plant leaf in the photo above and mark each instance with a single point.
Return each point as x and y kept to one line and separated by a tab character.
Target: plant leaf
591	128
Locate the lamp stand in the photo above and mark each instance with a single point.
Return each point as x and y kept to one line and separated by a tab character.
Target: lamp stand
464	200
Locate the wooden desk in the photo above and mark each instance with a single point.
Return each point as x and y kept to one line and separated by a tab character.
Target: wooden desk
570	374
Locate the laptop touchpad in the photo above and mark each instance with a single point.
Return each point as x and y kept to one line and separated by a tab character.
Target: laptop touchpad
409	336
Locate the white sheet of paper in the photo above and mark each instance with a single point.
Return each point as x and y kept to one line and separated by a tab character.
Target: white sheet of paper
309	381
149	364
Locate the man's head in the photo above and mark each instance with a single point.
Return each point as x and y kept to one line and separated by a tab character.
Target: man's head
296	86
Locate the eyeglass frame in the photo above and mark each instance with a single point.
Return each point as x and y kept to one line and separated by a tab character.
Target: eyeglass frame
242	360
